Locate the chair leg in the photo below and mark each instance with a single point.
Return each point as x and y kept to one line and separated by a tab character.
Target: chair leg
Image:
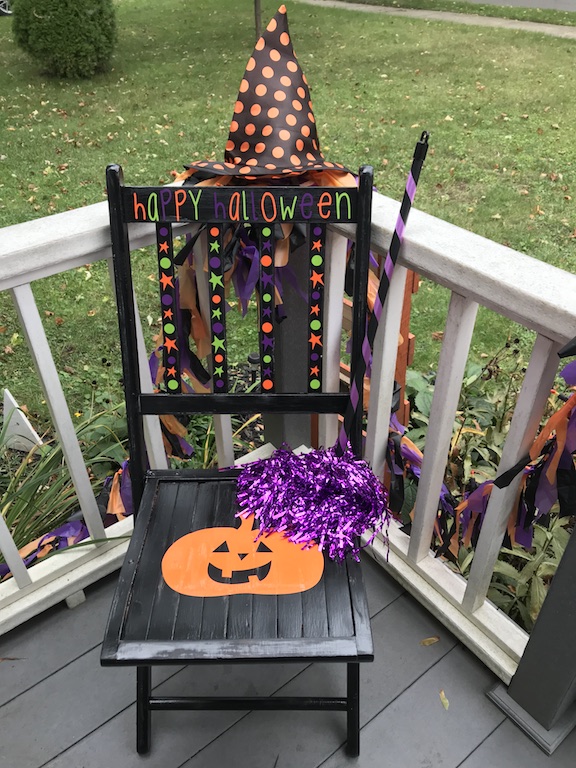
143	712
353	712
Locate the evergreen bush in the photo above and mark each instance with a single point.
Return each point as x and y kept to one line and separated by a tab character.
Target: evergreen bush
68	38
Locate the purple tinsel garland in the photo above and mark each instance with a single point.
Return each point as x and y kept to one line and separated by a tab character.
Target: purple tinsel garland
315	498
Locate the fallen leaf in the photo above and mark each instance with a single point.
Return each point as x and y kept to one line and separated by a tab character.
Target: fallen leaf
438	335
430	641
58	320
444	700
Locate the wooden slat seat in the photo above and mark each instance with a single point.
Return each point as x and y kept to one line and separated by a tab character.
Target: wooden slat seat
153	623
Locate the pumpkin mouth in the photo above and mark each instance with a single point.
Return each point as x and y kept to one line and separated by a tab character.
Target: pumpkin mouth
238	577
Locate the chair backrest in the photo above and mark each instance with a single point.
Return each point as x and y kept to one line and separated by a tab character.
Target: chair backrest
218	214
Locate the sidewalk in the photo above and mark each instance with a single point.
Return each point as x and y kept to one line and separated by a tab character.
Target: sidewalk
554	30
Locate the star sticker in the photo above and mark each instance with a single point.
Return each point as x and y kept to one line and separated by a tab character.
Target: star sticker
218	344
267	342
267	278
215	246
166	281
267	246
170	344
315	340
215	280
168	314
219	371
267	373
217	313
171	371
314	371
317	245
315	310
267	312
317	278
163	247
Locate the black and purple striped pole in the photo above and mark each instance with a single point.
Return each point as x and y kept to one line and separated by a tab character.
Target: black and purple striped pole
357	385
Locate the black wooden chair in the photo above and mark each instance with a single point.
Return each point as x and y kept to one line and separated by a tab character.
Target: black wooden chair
193	587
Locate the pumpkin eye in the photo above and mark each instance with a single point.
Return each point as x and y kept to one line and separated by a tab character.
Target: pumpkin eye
222	548
263	548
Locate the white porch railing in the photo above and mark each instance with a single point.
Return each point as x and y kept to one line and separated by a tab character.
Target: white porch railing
476	271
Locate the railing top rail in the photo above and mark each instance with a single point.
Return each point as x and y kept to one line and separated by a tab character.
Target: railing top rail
535	294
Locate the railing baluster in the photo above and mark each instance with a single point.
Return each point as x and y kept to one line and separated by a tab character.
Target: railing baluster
38	343
527	414
451	366
336	247
12	556
152	429
383	366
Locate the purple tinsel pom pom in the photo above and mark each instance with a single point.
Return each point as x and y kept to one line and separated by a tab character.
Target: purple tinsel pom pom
314	498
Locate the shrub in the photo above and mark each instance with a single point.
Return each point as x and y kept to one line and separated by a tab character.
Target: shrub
69	38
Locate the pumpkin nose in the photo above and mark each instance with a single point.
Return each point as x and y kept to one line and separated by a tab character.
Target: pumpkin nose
242	555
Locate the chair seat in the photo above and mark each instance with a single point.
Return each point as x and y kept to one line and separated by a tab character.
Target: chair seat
152	623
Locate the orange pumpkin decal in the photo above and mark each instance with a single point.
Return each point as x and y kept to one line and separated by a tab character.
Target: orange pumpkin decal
213	562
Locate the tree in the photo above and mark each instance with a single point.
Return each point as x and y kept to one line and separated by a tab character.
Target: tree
69	38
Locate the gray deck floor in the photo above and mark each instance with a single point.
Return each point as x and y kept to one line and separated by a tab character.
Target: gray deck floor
59	708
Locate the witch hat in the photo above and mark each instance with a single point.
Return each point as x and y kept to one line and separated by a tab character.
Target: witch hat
273	131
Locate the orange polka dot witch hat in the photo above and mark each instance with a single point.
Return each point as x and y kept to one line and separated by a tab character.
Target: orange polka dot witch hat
273	131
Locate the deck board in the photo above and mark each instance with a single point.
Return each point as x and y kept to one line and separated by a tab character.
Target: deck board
60	709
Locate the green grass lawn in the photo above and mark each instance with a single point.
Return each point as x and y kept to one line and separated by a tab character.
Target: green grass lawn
499	106
541	15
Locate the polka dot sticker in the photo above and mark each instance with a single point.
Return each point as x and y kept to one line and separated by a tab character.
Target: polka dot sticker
266	305
166	276
217	323
316	306
273	96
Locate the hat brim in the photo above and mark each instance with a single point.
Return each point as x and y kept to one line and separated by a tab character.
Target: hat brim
210	169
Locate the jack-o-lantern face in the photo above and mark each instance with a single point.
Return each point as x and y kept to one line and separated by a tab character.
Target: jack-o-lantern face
230	561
